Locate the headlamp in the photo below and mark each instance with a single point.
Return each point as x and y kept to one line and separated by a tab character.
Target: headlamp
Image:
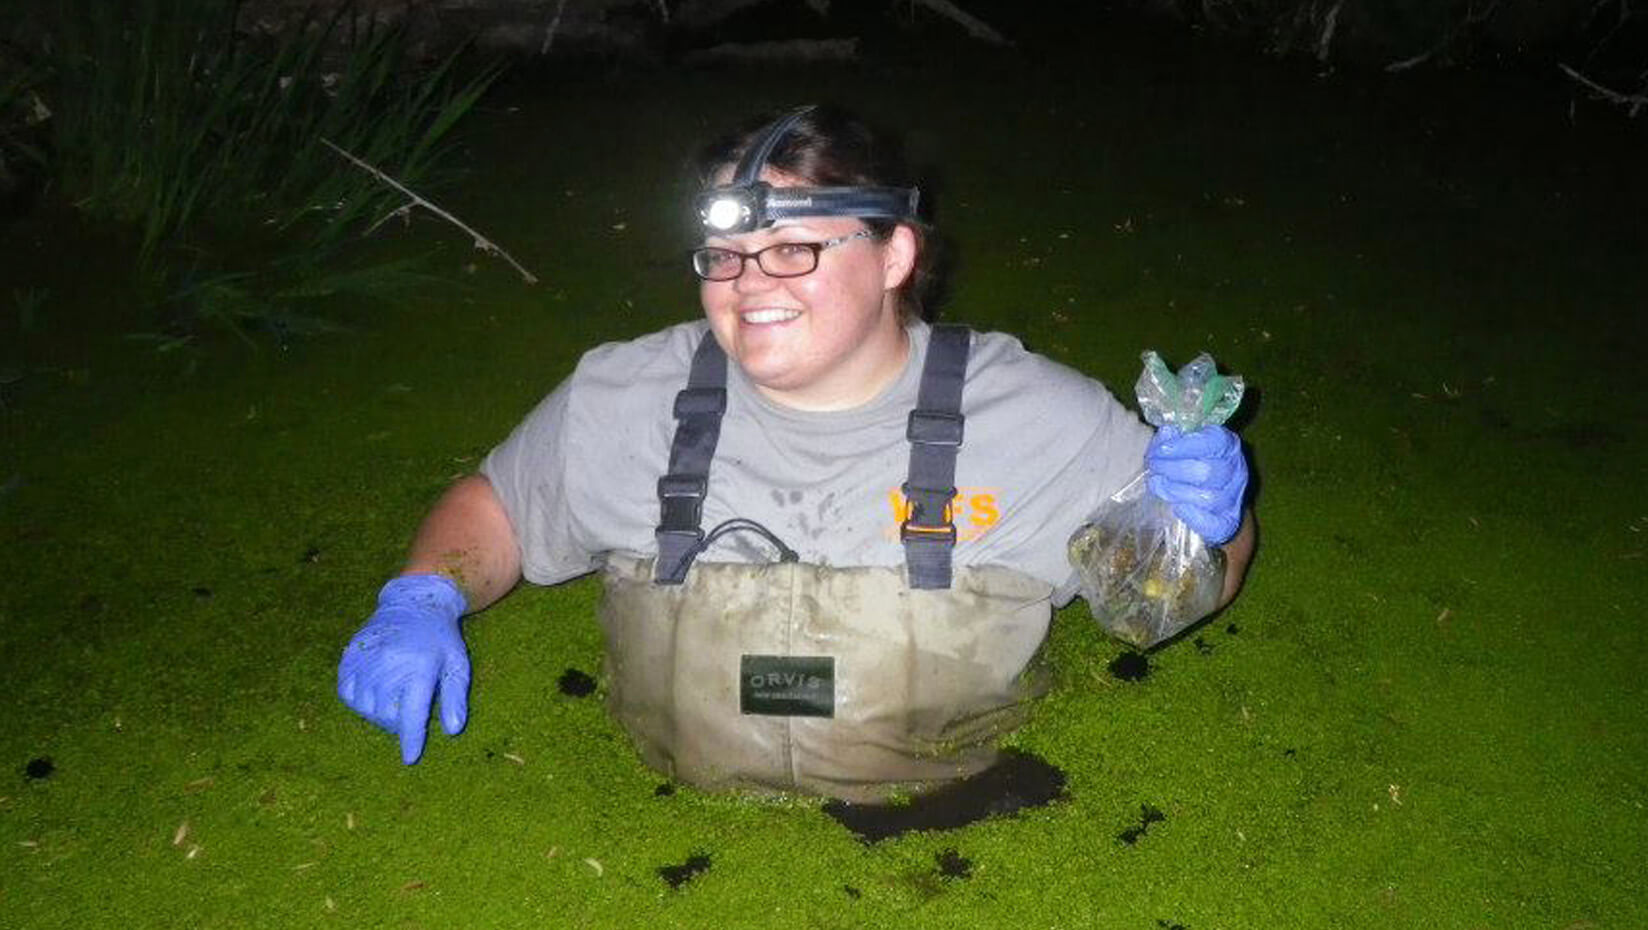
727	211
748	204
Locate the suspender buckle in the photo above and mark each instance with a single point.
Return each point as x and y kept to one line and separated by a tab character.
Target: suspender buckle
924	525
671	486
935	428
681	502
911	532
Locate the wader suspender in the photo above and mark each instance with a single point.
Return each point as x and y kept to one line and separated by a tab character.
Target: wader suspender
934	431
698	410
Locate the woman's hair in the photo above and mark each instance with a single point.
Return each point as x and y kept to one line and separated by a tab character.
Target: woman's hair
830	147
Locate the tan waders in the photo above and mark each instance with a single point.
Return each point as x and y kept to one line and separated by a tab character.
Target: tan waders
912	689
851	682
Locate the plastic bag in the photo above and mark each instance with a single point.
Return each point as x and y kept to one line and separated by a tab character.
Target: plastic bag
1144	574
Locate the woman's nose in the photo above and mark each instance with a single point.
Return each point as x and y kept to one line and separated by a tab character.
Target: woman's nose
752	278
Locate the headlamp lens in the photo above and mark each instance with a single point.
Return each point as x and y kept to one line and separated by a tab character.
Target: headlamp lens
725	213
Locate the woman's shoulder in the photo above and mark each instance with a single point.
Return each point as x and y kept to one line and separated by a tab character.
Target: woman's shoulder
630	382
666	353
1001	367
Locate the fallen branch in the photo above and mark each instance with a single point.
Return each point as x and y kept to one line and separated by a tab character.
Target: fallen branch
554	27
1635	101
413	200
1328	28
1473	17
977	28
789	50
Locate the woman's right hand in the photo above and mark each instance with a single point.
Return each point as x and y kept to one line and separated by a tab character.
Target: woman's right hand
410	651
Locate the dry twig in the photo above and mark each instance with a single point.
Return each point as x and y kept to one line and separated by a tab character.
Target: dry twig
554	27
414	200
1635	101
977	28
1329	26
1473	17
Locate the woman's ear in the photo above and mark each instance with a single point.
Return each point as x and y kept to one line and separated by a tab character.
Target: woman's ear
898	257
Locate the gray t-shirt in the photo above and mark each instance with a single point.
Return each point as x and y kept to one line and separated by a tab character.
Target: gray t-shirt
1044	446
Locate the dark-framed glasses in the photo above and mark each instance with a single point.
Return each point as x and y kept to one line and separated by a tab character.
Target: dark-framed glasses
783	260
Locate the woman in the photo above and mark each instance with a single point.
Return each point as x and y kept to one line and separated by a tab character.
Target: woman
831	535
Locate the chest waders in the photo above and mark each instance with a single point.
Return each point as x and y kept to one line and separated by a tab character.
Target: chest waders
854	682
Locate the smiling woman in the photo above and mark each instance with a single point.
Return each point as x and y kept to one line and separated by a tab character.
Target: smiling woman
829	338
833	631
813	330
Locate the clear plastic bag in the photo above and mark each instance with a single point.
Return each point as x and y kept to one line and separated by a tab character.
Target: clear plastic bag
1144	574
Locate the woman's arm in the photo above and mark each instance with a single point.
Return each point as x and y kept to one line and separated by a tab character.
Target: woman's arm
468	538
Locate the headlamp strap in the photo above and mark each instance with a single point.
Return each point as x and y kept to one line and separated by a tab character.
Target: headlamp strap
749	167
892	203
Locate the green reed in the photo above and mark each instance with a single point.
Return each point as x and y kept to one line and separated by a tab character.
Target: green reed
175	117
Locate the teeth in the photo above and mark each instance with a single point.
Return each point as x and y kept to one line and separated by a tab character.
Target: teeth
770	316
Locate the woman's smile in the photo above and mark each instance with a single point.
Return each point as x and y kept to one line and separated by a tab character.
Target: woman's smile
768	316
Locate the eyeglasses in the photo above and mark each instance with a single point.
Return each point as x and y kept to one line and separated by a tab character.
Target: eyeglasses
784	260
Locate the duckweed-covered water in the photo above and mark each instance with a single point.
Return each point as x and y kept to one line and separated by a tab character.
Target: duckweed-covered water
1424	710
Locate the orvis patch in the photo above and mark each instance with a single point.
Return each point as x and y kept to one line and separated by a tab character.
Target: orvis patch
787	686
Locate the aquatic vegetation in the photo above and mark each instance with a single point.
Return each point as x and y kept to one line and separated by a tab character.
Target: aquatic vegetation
22	116
1413	619
174	117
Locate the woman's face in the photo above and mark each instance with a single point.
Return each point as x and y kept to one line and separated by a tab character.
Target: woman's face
828	340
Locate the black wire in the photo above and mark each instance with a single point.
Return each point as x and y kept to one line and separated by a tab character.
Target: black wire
785	553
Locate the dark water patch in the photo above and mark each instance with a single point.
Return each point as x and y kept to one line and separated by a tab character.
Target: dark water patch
1018	781
1586	436
852	892
1290	752
1494	419
39	768
1171	925
952	864
1349	545
574	683
310	555
90	604
1232	629
677	875
1130	666
1148	815
664	790
202	592
1203	646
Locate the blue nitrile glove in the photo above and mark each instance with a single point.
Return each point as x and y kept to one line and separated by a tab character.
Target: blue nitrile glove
1203	475
406	652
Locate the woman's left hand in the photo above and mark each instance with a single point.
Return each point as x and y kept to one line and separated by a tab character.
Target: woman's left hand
1203	475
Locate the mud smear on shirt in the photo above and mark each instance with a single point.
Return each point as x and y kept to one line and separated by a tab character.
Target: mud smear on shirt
1018	781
